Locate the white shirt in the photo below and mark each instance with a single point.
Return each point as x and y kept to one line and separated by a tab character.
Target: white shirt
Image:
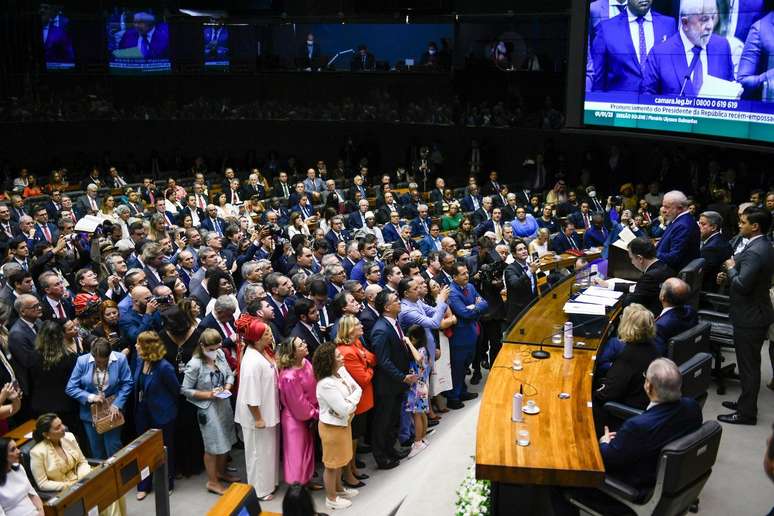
613	9
689	56
149	36
634	30
15	494
257	388
338	398
733	18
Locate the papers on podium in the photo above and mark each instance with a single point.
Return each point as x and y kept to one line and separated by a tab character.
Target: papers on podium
596	300
718	88
571	307
603	292
624	237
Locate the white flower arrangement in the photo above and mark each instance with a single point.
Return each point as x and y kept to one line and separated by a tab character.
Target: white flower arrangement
472	495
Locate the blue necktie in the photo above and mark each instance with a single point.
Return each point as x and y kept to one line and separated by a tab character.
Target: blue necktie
643	47
145	46
698	70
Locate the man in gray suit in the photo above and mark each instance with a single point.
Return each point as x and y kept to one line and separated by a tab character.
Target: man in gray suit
749	276
21	338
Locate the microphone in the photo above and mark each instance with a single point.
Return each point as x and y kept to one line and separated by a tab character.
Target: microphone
687	77
542	354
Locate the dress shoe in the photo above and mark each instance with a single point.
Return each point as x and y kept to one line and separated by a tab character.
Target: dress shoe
476	378
353	486
737	419
730	405
486	365
432	422
359	463
401	453
454	404
465	396
362	476
387	465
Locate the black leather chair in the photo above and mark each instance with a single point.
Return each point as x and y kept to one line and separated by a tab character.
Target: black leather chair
684	346
25	456
683	469
693	274
713	309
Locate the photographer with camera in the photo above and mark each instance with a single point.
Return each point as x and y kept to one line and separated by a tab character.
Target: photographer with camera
487	276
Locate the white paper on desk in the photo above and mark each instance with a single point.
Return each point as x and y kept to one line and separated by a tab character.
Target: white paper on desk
596	300
603	292
88	224
583	308
619	280
716	87
624	237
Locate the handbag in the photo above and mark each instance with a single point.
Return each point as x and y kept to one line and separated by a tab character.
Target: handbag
103	418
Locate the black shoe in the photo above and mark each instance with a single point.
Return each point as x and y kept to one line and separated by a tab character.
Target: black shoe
486	365
401	453
432	422
454	404
465	396
353	486
476	378
730	405
737	419
387	465
359	463
362	476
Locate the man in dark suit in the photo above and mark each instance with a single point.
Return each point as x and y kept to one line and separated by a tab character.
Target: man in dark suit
676	67
88	204
642	254
677	315
21	338
520	280
392	378
54	304
279	289
281	187
44	230
356	220
362	60
222	319
483	213
337	233
54	205
755	69
621	45
148	191
212	222
680	242
57	46
420	226
191	210
715	249
309	54
582	217
472	201
567	239
151	38
216	45
749	276
308	326
492	186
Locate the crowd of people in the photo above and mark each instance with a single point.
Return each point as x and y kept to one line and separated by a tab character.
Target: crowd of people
315	324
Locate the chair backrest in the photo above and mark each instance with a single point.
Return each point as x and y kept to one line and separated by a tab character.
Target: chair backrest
697	374
684	468
686	345
693	274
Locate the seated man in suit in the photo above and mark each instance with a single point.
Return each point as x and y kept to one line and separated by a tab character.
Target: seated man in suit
420	226
337	233
356	220
677	315
715	249
391	230
705	54
567	239
88	204
483	213
362	60
632	453
472	201
642	254
212	222
616	67
597	234
680	242
431	242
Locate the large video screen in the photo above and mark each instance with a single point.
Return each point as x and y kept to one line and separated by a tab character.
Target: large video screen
138	42
693	66
57	42
217	48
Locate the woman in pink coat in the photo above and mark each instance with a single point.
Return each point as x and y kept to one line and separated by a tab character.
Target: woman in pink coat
298	399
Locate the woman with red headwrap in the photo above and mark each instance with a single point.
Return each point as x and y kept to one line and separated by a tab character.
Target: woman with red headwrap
257	408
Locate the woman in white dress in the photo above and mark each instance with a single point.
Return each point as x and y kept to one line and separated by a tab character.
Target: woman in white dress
257	409
17	496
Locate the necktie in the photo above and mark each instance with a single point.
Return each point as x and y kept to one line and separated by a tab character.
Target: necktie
643	47
698	70
46	233
586	221
465	291
201	202
234	197
61	311
572	243
216	225
285	190
93	204
317	334
145	46
7	228
531	278
150	196
229	332
284	310
364	62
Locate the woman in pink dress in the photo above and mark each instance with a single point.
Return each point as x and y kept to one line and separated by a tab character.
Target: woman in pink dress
298	399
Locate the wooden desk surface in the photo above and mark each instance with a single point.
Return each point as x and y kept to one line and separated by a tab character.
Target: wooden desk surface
97	489
563	446
548	263
18	433
231	499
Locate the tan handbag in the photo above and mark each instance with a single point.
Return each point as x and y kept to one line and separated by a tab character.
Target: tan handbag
103	418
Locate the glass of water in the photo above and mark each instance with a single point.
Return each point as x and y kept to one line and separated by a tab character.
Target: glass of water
556	334
523	437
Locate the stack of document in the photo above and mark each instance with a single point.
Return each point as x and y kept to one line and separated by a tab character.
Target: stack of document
624	237
603	292
571	307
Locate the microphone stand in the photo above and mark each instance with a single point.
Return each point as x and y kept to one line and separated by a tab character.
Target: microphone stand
542	354
351	50
688	76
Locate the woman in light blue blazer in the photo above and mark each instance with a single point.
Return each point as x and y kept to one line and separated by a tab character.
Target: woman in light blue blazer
96	377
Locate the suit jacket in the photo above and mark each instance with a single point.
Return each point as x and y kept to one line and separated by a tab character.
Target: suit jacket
333	240
577	219
21	345
81	383
754	67
40	237
519	288
248	191
647	288
357	64
634	453
479	216
48	311
53	210
392	359
314	186
209	224
680	242
428	245
417	229
57	47
467	203
594	237
303	333
715	251
674	322
750	280
390	233
209	322
160	394
355	220
624	381
304	60
187	211
82	205
666	67
277	189
284	324
159	43
50	471
616	67
561	243
466	331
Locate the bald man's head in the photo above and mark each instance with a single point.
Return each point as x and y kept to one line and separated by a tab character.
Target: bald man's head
674	292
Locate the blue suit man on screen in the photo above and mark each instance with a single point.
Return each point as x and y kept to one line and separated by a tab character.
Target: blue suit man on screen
756	66
680	65
215	41
601	10
621	45
150	38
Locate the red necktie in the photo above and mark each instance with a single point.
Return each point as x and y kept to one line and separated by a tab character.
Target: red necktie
585	221
150	196
229	331
46	233
201	202
61	311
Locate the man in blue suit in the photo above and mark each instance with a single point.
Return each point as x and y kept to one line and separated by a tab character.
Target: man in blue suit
57	46
215	42
468	306
681	240
337	233
391	230
755	69
212	222
431	242
472	201
679	65
151	38
715	248
567	239
44	230
677	315
621	45
420	226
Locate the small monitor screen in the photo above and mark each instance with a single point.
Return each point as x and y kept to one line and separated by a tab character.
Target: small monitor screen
129	471
57	40
138	42
217	49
